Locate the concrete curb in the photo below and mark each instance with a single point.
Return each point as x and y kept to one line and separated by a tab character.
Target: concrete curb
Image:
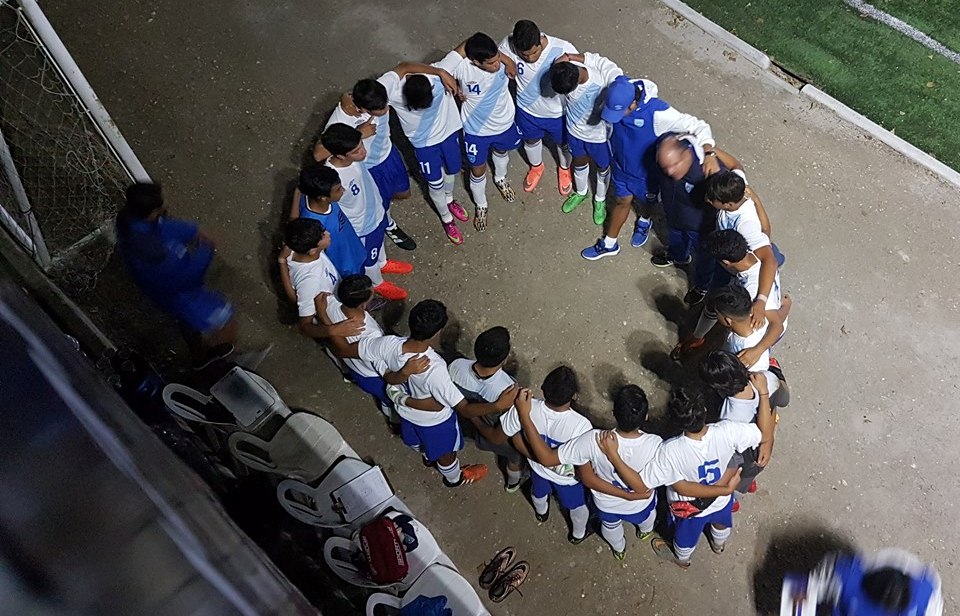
747	51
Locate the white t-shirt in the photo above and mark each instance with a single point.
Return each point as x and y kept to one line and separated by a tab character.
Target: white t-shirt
745	410
583	117
750	280
534	94
554	427
635	452
371	329
361	200
310	280
736	343
378	146
746	222
685	459
487	108
479	389
423	127
434	383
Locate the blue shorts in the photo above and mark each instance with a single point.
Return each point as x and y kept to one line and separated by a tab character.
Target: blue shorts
391	176
373	385
444	157
570	497
533	128
201	310
373	243
633	518
478	148
687	531
625	185
599	153
433	441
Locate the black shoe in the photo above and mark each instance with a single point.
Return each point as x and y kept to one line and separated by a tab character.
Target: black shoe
578	541
664	260
401	239
694	296
542	518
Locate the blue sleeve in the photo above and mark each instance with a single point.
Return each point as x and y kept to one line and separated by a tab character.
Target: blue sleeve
189	270
178	230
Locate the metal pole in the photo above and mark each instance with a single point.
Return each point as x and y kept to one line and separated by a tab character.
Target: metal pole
71	72
23	204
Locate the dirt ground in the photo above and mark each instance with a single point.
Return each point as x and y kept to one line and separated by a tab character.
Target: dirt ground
221	99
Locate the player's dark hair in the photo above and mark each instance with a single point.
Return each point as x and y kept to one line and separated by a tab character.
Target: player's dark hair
426	319
564	77
724	373
318	180
888	588
726	245
630	408
560	386
731	301
417	92
526	35
480	47
725	187
687	409
370	95
303	234
143	199
354	290
340	139
492	347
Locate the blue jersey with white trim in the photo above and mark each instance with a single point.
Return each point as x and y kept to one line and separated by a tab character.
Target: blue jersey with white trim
346	251
632	138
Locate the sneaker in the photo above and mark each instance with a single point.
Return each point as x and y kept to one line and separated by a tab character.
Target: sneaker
599	211
578	540
471	473
506	191
663	260
736	506
533	178
541	518
619	555
388	290
564	181
752	488
396	267
480	218
717	548
599	251
651	198
401	239
641	233
457	210
512	488
572	202
694	296
453	233
643	536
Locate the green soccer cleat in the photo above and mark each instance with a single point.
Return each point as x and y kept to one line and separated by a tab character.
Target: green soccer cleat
599	211
572	202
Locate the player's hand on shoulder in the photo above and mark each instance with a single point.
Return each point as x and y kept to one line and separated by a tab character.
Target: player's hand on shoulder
346	102
507	397
710	165
522	401
344	329
757	313
450	83
759	381
367	129
607	441
750	356
415	365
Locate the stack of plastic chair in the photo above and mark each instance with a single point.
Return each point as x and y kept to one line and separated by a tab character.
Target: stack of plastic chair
436	581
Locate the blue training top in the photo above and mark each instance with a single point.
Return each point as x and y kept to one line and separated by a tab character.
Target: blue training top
346	250
849	570
683	203
633	139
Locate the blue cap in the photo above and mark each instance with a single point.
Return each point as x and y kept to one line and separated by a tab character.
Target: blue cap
620	94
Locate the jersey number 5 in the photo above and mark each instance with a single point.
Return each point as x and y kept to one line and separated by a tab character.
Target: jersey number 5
473	88
708	472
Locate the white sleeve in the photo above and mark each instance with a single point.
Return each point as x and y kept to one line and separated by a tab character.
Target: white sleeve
661	471
741	174
751	231
568	47
577	451
651	90
391	81
504	46
443	389
450	63
307	291
510	422
745	436
374	350
607	69
672	121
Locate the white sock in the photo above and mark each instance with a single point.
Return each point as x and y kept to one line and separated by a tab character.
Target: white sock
720	536
448	183
613	534
603	180
513	477
581	179
579	518
391	223
386	410
683	554
608	242
643	220
705	323
500	162
566	158
647	525
478	188
541	503
439	199
451	473
374	273
534	153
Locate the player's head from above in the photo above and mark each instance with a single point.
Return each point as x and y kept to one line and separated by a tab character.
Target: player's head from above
527	40
417	92
344	142
725	190
728	247
306	236
320	183
724	373
674	156
686	409
623	97
370	96
560	387
887	588
731	303
482	51
427	319
144	201
492	347
355	291
630	408
566	76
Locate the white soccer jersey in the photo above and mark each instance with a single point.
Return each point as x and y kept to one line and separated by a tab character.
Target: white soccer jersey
635	452
477	388
746	222
582	116
434	383
487	108
534	94
554	427
745	410
703	461
736	343
423	127
361	200
310	280
750	280
371	329
378	146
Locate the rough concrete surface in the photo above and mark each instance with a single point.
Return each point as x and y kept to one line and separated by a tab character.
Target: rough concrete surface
221	99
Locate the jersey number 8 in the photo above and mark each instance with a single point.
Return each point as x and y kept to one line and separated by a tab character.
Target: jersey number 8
354	190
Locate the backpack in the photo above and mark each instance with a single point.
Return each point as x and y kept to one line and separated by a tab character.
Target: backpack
384	546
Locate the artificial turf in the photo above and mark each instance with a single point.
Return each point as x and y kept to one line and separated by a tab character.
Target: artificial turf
893	80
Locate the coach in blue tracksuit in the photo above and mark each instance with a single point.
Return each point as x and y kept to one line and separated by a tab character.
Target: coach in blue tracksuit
891	582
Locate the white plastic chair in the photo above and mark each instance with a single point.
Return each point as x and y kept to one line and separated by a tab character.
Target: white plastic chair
436	580
249	398
188	404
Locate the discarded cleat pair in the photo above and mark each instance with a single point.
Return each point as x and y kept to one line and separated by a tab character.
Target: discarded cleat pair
500	576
